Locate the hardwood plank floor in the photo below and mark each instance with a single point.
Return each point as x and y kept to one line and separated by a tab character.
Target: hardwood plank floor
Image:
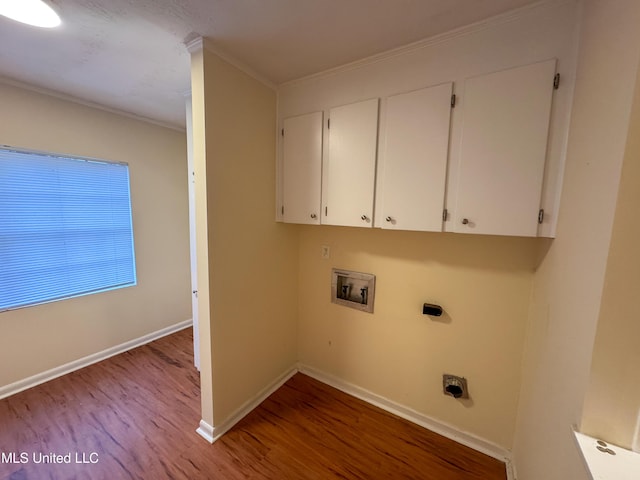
135	416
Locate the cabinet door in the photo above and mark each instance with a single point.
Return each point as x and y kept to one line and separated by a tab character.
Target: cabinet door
302	168
351	164
416	146
503	150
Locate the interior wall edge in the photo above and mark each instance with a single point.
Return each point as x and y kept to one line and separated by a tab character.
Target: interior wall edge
223	427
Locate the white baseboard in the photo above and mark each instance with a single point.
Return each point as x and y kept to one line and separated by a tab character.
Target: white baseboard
511	471
211	434
205	431
56	372
468	439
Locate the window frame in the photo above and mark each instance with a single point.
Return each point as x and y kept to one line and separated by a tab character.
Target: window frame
133	267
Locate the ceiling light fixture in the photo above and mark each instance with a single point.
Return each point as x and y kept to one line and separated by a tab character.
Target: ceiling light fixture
31	12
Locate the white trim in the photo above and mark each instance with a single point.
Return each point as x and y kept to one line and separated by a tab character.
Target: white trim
465	438
618	464
195	44
205	431
635	441
56	372
211	434
87	103
200	43
430	41
511	470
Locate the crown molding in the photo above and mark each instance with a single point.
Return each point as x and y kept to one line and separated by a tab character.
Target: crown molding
203	43
195	44
434	40
86	103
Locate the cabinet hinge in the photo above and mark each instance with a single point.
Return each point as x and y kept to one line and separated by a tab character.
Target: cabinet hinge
445	214
282	132
453	100
541	215
556	81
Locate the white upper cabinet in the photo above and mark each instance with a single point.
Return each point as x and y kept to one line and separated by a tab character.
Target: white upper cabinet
302	168
507	138
415	149
351	164
505	125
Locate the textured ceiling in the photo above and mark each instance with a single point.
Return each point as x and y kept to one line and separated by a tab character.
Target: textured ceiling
129	55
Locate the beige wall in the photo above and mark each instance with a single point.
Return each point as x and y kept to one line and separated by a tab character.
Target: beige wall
482	282
36	339
252	261
612	406
568	284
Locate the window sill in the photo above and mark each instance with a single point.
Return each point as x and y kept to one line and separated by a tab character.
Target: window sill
624	465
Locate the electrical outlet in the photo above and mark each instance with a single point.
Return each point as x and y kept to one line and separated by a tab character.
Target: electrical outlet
325	251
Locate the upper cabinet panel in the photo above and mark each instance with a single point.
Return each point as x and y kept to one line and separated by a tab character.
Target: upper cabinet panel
415	150
351	164
508	132
302	168
505	127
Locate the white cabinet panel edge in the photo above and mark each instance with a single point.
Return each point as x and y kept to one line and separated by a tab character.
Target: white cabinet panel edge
490	148
302	168
350	164
413	155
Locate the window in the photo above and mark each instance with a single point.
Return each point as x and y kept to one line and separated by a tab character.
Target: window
65	228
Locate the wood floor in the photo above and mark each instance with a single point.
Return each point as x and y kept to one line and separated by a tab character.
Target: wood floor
134	416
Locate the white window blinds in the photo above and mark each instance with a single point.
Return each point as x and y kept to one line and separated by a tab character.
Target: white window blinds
65	228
